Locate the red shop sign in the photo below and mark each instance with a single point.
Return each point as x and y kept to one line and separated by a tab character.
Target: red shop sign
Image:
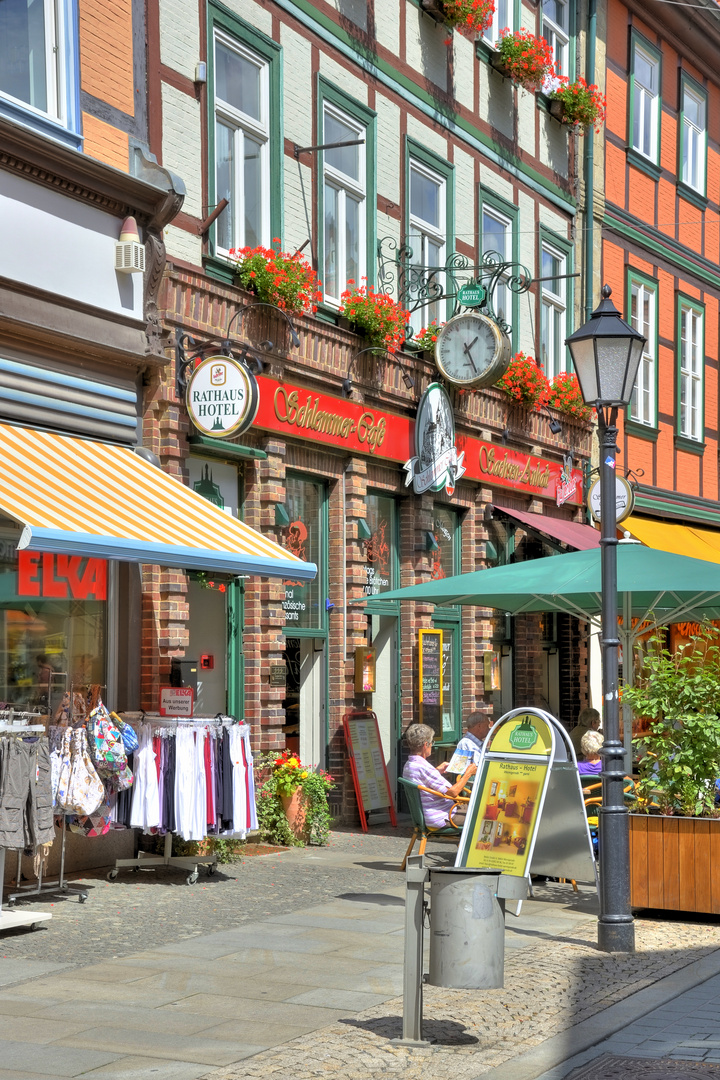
332	421
63	577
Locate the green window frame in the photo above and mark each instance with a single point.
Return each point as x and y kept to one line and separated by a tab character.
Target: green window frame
552	30
269	54
320	629
690	374
639	98
692	144
506	211
431	165
554	244
644	420
358	116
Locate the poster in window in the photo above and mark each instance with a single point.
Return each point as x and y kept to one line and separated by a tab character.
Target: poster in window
303	501
445	525
380	551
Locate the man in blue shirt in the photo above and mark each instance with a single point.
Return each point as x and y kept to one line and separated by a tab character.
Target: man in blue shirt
469	749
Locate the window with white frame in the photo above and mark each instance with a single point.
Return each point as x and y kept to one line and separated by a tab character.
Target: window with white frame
556	31
426	237
691	373
645	102
344	210
242	145
502	19
694	138
643	299
32	55
497	242
553	311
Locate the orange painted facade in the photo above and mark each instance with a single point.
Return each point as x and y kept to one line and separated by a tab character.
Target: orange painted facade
108	80
661	242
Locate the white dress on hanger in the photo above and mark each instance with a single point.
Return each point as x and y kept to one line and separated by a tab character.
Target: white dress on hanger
244	813
145	809
190	784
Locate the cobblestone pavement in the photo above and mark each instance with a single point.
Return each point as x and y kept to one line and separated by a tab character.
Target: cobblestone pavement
148	908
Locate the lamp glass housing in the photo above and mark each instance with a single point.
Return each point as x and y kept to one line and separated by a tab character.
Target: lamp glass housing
606	353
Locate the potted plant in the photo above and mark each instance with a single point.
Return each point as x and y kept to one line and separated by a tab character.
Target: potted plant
524	58
675	825
578	103
564	394
524	381
424	340
286	280
376	315
469	16
292	803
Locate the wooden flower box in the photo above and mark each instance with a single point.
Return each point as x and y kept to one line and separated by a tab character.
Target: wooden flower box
675	863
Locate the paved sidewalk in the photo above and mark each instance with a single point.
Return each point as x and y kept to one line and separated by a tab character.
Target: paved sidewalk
291	966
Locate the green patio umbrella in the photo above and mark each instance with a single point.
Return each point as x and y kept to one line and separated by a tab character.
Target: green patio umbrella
654	587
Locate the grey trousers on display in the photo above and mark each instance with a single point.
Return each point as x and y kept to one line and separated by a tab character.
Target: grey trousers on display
26	818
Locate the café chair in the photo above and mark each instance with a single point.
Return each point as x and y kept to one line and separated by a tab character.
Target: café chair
420	827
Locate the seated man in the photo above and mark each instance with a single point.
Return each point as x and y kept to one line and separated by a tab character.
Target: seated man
419	740
588	720
469	749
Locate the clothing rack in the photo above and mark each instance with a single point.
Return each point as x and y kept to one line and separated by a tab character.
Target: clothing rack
54	888
184	862
11	919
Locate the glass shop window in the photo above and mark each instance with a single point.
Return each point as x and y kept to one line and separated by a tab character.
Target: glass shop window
303	502
380	548
53	625
446	533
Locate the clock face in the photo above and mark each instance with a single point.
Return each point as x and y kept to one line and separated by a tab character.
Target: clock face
467	349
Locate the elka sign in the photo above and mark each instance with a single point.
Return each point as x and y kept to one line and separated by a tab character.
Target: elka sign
62	577
222	397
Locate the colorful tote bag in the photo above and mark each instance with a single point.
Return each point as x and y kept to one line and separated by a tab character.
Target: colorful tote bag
107	748
84	792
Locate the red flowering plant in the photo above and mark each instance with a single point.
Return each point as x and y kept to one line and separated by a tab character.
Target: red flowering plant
564	394
427	337
582	104
524	381
380	318
276	277
468	16
527	59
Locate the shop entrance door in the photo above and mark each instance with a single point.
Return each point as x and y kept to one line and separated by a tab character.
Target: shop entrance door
305	699
208	639
384	631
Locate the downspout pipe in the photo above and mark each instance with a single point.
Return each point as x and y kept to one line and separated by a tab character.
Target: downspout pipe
589	166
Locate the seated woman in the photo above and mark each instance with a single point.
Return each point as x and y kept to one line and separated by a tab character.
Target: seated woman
419	740
590	745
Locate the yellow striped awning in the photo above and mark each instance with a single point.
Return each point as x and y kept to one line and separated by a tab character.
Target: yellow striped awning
89	498
675	538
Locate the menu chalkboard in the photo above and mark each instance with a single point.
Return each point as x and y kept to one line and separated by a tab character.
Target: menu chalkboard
430	650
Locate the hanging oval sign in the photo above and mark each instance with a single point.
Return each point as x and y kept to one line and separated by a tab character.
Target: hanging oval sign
624	499
436	464
222	397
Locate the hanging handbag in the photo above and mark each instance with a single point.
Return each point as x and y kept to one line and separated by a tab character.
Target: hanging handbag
127	733
106	745
85	791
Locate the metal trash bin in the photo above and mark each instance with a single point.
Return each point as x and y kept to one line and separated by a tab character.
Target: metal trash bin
467	929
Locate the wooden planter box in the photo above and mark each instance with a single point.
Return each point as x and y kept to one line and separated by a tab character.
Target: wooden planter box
675	863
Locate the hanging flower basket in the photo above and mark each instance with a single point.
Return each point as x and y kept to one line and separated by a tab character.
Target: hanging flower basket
578	103
564	394
470	17
286	280
424	340
524	58
380	318
524	382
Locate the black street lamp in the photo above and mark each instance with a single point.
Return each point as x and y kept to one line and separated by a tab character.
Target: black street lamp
606	353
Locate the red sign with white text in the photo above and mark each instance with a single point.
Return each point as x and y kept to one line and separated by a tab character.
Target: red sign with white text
331	421
61	577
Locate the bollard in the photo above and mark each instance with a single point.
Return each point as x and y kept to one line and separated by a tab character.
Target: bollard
416	875
467	929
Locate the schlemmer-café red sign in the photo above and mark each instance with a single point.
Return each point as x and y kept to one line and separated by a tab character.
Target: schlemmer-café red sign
322	418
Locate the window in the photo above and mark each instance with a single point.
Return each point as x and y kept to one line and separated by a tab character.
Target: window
694	137
497	241
38	65
691	348
556	31
241	145
553	315
503	17
645	100
643	298
381	547
303	537
343	203
426	236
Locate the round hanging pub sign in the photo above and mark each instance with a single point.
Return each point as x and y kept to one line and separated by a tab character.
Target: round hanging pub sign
222	397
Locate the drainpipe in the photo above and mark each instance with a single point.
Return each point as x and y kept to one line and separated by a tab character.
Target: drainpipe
589	166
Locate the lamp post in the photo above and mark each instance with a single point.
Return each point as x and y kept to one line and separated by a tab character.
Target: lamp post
606	353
